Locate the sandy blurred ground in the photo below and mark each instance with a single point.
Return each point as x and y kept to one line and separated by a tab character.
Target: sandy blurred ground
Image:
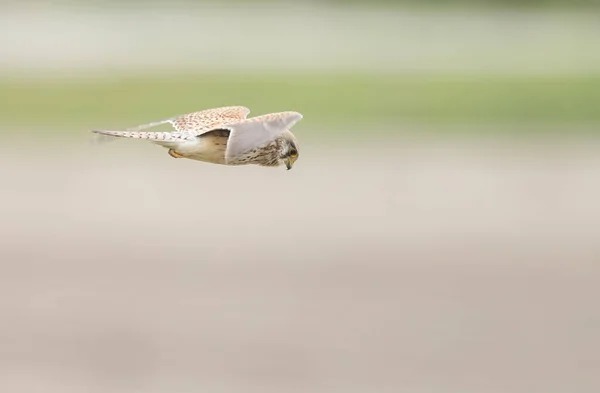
427	265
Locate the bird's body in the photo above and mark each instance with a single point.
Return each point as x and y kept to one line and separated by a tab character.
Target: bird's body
224	136
208	147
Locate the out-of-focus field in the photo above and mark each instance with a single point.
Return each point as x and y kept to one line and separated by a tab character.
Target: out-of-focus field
369	103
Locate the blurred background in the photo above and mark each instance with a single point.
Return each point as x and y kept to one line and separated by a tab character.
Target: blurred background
439	232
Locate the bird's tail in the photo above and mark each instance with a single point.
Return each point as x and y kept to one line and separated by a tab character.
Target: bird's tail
101	136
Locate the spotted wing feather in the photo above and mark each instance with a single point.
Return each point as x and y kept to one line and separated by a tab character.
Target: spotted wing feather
187	127
209	119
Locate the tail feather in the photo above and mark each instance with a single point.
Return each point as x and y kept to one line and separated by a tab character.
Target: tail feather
154	136
165	139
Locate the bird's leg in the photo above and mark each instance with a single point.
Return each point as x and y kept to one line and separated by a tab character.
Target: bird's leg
174	154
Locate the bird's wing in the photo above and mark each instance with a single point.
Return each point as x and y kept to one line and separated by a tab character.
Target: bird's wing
187	127
198	123
256	131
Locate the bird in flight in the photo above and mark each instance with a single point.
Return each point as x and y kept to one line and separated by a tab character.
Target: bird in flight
224	136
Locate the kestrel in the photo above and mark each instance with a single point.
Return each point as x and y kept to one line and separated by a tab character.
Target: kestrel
224	136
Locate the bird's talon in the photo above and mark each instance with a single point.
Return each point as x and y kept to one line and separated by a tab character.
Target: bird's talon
173	154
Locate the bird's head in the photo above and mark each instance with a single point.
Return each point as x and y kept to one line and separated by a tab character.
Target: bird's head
288	150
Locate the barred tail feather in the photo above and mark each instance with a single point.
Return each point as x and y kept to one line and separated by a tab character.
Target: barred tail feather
152	136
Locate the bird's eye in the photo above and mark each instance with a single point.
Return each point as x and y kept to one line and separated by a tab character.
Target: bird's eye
293	152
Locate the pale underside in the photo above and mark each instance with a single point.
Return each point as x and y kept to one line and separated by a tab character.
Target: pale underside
221	136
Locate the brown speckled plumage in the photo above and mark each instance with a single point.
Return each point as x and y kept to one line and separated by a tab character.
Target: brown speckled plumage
267	155
224	136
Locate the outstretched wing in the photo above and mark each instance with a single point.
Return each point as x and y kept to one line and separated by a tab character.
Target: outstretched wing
187	127
251	133
202	121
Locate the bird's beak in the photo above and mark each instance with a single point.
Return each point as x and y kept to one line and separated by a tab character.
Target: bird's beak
289	164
